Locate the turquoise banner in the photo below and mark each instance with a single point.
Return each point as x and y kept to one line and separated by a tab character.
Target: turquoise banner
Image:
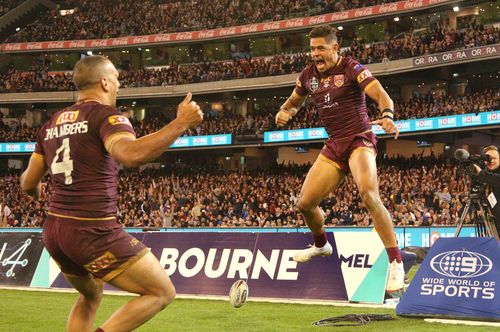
404	126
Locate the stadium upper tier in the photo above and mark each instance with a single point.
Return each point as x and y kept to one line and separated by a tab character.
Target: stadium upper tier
101	19
420	191
7	5
228	122
436	40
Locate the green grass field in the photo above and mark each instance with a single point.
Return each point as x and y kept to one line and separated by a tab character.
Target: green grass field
47	311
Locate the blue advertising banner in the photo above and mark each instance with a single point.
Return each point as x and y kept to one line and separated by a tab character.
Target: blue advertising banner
17	147
181	142
195	141
458	279
426	236
209	263
404	126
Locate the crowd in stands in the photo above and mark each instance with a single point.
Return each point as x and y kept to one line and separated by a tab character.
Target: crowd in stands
215	71
418	191
101	19
8	5
228	122
17	131
419	106
37	79
438	39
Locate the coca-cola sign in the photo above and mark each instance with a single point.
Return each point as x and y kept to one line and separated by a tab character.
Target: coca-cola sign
77	44
206	34
271	26
141	40
58	44
249	28
363	12
410	4
184	36
230	31
227	31
392	7
119	41
12	47
99	43
34	46
162	38
317	19
297	23
340	16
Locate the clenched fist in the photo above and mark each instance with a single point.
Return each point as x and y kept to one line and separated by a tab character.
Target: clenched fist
284	115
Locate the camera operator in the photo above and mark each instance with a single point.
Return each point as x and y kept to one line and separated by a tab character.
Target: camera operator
491	176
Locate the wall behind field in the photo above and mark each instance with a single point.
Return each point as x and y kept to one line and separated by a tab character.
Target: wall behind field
408	148
289	155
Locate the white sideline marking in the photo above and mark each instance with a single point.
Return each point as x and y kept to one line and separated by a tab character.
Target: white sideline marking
461	322
214	297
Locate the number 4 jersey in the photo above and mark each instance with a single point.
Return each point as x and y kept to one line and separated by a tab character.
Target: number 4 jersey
84	176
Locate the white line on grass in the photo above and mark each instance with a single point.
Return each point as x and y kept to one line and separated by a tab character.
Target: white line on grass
214	297
461	322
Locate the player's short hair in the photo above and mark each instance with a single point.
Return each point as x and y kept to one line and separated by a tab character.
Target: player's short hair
89	70
324	31
491	148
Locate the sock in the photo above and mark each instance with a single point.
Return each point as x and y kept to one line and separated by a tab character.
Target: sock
320	240
99	330
394	254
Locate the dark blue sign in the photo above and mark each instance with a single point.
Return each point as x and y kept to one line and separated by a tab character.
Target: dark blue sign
458	279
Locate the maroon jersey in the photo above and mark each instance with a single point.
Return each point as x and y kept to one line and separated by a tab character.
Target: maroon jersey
84	176
339	96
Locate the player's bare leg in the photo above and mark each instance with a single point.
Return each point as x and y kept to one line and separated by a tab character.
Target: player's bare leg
147	278
82	315
364	171
323	177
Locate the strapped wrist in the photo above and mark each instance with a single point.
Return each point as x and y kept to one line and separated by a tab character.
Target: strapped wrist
387	113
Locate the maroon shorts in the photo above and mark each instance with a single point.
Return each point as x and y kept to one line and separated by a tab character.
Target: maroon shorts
340	150
101	247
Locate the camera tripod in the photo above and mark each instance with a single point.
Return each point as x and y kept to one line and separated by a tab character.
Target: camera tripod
484	226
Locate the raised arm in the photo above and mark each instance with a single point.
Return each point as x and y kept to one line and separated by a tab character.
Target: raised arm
133	152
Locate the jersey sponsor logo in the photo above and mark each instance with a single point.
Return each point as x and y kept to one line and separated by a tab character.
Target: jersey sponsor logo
363	75
100	262
358	67
338	80
67	117
119	119
326	82
314	84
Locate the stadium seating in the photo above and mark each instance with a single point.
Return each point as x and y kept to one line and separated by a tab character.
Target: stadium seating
417	191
